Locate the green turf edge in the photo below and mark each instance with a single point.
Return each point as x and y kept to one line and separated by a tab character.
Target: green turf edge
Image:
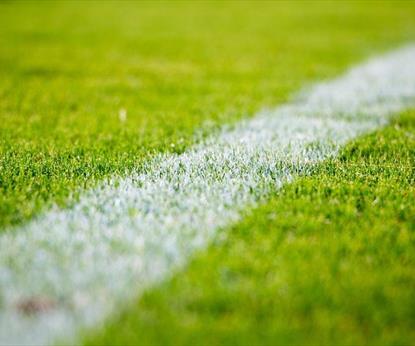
329	260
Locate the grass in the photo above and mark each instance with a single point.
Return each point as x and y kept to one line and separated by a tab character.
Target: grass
329	260
68	68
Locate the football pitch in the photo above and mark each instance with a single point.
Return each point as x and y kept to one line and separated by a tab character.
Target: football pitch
227	173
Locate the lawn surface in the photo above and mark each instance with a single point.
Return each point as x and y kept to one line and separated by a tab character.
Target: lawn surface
329	260
69	69
89	90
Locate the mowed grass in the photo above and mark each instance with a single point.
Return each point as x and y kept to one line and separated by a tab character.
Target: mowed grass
329	260
69	69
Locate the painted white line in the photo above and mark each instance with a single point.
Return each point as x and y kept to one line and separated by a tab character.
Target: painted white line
69	269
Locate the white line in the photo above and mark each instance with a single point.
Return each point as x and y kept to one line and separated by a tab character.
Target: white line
77	265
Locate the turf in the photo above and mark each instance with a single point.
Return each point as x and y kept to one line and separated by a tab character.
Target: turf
329	260
68	69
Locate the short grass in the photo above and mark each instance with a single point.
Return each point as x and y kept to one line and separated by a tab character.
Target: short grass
68	68
329	260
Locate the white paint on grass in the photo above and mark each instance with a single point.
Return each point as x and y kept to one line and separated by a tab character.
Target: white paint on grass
129	233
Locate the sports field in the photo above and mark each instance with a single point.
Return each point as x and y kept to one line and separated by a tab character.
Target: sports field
194	173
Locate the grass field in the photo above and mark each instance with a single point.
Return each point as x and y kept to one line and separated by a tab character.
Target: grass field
69	68
328	260
90	91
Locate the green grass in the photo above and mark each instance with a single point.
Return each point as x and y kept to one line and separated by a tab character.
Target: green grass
67	68
329	260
